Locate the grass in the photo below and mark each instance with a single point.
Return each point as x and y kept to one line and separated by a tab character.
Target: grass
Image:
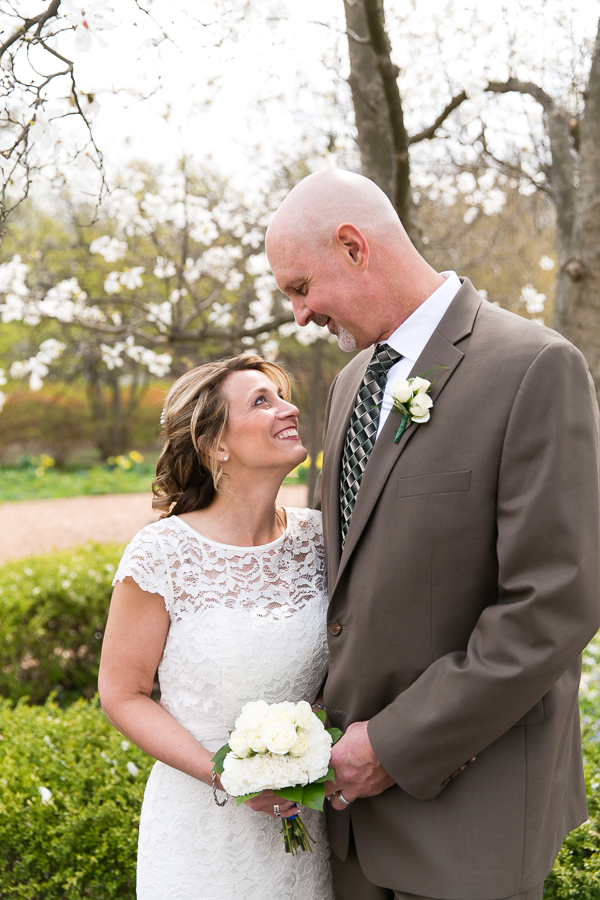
36	479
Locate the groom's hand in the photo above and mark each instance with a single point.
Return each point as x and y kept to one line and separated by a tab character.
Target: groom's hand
358	772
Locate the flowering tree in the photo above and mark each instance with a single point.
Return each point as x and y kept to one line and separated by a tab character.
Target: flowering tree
176	267
47	108
520	93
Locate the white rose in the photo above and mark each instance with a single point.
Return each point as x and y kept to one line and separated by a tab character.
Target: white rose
304	715
256	741
420	385
420	406
239	744
402	391
279	737
300	747
252	715
285	713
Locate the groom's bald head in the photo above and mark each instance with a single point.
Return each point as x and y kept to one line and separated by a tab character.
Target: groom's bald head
312	211
338	250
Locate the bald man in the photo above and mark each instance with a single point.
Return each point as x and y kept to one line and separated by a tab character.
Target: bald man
463	561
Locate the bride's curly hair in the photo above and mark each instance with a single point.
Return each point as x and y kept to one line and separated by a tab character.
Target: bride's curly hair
188	473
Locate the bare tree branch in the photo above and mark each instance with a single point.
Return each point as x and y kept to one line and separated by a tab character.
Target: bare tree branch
523	87
28	24
429	133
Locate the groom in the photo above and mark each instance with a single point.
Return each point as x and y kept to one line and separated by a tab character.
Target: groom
463	561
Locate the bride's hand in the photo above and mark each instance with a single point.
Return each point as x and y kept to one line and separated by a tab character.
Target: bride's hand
268	802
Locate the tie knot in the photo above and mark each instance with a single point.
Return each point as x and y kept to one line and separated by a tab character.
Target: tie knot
383	359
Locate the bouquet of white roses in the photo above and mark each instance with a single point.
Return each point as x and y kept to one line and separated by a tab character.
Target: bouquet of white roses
283	747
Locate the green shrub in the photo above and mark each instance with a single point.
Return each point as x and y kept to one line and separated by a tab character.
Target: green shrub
76	838
576	873
54	611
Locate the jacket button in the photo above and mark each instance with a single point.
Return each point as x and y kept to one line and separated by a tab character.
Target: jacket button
335	628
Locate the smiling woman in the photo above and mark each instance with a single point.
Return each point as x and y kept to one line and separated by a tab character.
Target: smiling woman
226	595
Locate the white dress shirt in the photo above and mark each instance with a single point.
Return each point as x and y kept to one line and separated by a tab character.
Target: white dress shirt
412	336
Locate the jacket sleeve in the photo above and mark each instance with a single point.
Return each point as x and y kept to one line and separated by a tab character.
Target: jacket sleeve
547	606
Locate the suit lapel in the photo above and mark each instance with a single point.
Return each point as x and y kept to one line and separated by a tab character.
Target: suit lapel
439	351
349	382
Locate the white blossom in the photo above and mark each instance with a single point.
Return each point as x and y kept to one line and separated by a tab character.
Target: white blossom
270	350
164	268
132	278
220	315
158	364
534	301
234	280
546	263
161	313
112	283
254	238
132	768
258	264
88	21
37	366
110	248
204	231
111	356
45	794
217	261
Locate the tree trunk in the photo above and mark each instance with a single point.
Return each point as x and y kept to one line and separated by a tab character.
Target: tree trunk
579	280
382	138
370	107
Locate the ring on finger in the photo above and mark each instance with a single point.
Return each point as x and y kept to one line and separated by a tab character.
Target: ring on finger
276	810
342	799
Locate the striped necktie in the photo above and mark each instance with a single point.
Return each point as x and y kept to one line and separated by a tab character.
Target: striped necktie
363	429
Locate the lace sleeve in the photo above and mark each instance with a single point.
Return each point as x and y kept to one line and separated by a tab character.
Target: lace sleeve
145	561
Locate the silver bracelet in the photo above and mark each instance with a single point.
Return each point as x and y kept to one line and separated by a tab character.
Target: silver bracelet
318	706
213	781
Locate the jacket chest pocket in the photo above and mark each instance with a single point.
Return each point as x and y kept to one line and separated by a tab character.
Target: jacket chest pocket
438	483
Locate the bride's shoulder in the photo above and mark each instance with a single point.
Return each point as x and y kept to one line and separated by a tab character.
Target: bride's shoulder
306	522
156	533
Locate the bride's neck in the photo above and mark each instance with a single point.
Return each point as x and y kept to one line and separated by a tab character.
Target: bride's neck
243	513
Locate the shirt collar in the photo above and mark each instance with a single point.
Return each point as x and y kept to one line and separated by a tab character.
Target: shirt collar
411	337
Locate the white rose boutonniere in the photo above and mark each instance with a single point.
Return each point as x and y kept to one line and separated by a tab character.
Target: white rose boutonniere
411	399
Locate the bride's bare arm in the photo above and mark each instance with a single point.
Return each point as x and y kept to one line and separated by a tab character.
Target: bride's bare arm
132	648
133	645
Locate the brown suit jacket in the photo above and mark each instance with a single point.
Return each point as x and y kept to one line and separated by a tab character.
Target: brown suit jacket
466	591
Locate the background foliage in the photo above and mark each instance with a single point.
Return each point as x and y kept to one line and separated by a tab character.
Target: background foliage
54	611
77	838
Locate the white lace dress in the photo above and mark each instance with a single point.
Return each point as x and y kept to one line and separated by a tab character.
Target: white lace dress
246	623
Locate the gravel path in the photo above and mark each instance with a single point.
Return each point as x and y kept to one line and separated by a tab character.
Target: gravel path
34	527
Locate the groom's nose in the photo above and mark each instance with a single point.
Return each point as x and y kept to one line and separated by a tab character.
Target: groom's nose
302	313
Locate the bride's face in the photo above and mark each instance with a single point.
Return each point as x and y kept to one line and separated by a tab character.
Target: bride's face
262	428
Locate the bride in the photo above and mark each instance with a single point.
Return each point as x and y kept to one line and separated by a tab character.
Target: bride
226	595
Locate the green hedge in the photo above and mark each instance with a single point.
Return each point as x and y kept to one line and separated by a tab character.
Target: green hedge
53	610
576	873
77	837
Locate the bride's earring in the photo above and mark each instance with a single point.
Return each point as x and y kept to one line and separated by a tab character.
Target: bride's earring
225	458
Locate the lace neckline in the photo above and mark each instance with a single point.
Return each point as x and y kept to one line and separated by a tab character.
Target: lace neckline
258	548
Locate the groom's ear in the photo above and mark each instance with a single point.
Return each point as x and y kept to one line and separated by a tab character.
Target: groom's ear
353	245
